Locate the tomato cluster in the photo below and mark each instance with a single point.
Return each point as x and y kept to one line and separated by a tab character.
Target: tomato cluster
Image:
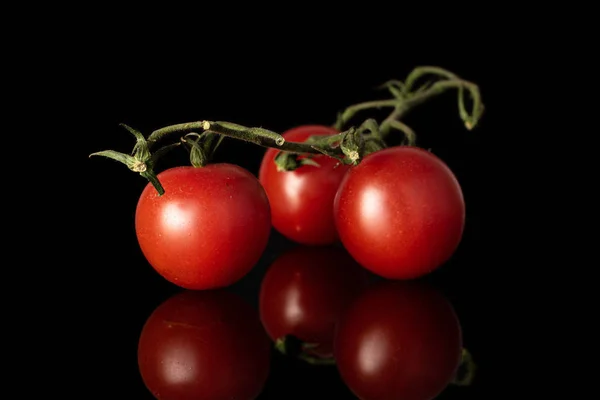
400	213
396	213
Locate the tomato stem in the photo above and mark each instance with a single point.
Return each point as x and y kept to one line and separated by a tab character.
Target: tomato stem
290	345
348	147
198	157
259	136
153	179
141	160
352	110
316	360
466	370
405	98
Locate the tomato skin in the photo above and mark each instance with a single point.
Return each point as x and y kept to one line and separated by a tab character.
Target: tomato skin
399	340
304	292
208	229
302	200
400	213
204	344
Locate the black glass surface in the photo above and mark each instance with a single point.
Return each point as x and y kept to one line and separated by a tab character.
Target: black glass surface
123	291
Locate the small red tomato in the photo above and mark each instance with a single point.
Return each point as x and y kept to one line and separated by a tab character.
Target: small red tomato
302	200
400	213
304	292
204	345
399	340
208	229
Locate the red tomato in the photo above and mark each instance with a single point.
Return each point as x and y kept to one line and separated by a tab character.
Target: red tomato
400	213
208	229
304	292
204	345
399	340
302	200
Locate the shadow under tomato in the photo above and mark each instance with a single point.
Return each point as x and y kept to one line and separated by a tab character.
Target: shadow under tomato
207	345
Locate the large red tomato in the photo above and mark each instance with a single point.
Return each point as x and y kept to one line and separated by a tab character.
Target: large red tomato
302	200
400	213
398	340
208	229
304	292
204	345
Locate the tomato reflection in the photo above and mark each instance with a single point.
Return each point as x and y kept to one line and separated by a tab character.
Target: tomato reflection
398	340
207	345
303	293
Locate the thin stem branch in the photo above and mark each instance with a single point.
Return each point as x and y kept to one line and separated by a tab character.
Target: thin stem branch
348	147
436	89
178	128
418	72
352	110
409	134
259	136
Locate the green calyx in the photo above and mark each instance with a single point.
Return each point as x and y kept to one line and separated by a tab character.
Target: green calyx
291	346
140	160
202	147
291	161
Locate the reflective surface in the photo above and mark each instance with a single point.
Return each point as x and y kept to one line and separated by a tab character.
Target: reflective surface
204	342
276	334
398	340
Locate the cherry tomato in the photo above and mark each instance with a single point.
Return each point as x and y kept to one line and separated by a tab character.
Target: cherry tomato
400	213
204	345
302	200
305	290
398	340
208	229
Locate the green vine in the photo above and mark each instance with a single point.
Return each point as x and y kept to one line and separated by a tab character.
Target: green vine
350	146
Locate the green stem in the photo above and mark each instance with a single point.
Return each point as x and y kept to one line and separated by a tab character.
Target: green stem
178	128
351	111
409	134
348	147
466	370
418	72
153	179
407	95
316	360
259	136
198	156
435	90
328	140
405	106
291	346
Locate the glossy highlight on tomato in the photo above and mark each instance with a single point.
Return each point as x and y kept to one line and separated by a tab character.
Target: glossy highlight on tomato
400	213
208	229
304	292
204	345
398	340
302	200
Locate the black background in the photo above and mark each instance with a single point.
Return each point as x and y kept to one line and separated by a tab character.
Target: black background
276	88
